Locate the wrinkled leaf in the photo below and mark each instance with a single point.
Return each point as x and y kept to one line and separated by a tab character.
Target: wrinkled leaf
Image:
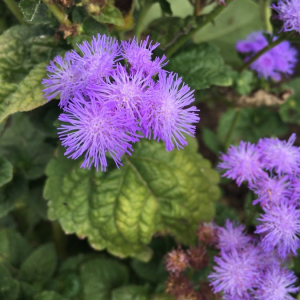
9	288
13	247
6	171
40	265
29	8
130	292
155	191
100	276
111	15
200	66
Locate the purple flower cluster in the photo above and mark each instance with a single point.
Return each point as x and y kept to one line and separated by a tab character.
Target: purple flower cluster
250	267
288	11
112	95
277	61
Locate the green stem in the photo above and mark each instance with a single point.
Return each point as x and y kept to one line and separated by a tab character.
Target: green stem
266	13
140	22
231	129
59	14
184	38
14	8
262	51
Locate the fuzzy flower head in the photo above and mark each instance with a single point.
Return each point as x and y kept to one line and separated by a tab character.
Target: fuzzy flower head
176	261
92	130
242	163
235	274
198	258
232	237
280	227
165	114
208	233
276	284
289	13
139	56
277	61
280	156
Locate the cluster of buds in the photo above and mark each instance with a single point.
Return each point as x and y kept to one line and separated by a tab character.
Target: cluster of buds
182	264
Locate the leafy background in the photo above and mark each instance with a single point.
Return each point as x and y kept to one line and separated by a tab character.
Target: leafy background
70	233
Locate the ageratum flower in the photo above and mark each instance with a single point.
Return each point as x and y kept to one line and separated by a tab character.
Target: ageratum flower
165	114
277	61
139	56
232	237
276	284
235	274
92	130
280	227
242	163
280	156
288	11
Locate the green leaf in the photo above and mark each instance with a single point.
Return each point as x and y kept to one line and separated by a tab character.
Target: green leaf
111	15
211	140
290	110
200	66
224	212
165	6
27	96
155	191
6	171
39	267
29	8
48	295
235	22
9	288
130	292
24	146
253	124
13	247
100	276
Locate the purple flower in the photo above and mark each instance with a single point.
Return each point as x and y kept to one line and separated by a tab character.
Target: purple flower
242	163
165	113
63	78
288	11
232	237
276	284
271	190
280	156
279	60
98	58
139	56
235	274
93	130
280	227
294	191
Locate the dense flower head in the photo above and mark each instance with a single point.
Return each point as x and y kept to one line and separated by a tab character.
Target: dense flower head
280	227
276	284
176	261
111	95
232	237
241	163
165	115
277	61
288	11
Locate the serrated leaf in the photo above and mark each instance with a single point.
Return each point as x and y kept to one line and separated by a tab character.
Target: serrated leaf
110	15
100	276
9	288
6	171
13	247
130	292
29	8
155	191
24	146
28	94
39	267
48	295
200	66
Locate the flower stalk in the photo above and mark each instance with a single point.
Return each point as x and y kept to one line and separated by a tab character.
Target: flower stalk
59	14
14	8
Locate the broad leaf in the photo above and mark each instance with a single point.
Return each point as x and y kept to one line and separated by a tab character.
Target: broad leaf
111	15
28	94
29	8
39	267
130	292
48	295
9	288
155	191
6	171
13	247
200	66
100	276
